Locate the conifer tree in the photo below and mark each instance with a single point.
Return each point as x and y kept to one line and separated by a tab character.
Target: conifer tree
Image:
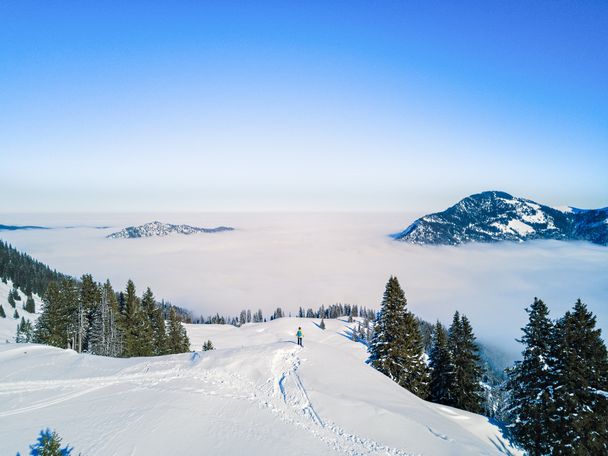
157	323
530	384
2	313
16	295
24	331
11	300
49	328
16	314
442	381
105	337
89	300
396	347
69	305
49	444
178	341
322	324
581	378
208	346
30	305
467	391
136	326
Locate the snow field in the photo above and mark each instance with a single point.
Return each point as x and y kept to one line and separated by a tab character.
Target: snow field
258	393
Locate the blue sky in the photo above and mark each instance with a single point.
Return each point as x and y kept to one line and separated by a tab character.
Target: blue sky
160	106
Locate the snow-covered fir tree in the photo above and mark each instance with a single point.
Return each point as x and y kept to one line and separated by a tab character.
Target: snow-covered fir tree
530	384
442	382
49	326
105	337
580	412
157	327
25	331
89	299
49	444
396	348
30	304
178	341
137	329
467	391
15	293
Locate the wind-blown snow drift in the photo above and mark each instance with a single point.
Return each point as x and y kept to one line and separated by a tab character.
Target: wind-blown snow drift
257	394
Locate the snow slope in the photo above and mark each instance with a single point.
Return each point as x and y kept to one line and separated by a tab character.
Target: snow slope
8	325
258	393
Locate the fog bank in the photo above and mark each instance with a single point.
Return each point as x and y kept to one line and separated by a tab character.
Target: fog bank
305	259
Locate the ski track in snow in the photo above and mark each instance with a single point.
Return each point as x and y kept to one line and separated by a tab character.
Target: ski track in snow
295	408
284	395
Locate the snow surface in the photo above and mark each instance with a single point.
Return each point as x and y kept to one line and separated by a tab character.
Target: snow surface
520	228
8	325
258	393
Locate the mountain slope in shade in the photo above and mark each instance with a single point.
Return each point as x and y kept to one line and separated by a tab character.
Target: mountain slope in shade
256	394
497	216
162	229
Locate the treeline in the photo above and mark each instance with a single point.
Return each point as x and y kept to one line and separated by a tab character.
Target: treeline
91	317
453	374
247	316
336	311
558	391
28	274
556	397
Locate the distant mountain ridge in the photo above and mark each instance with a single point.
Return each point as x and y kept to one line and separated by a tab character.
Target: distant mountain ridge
162	229
22	227
494	216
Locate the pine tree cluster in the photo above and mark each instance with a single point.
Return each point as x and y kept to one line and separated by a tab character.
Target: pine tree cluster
397	349
336	311
559	389
246	316
25	331
28	274
90	317
456	372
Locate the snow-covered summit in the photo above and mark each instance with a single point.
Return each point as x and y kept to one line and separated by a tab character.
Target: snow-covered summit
162	229
497	216
258	393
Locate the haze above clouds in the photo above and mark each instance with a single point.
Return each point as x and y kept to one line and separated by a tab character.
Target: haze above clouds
309	259
358	106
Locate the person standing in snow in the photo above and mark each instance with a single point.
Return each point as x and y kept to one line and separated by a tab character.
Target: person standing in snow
299	336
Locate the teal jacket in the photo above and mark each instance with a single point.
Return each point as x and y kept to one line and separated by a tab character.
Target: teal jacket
299	334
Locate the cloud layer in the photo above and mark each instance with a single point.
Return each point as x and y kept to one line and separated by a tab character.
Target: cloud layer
293	260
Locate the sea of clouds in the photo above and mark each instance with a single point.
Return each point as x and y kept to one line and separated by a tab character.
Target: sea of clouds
309	259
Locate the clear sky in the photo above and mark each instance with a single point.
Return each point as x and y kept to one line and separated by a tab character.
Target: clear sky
145	106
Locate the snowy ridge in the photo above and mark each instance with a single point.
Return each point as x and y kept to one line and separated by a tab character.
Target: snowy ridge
258	393
162	229
497	216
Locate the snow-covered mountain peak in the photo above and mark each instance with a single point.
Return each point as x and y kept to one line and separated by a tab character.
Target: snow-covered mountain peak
498	216
157	228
